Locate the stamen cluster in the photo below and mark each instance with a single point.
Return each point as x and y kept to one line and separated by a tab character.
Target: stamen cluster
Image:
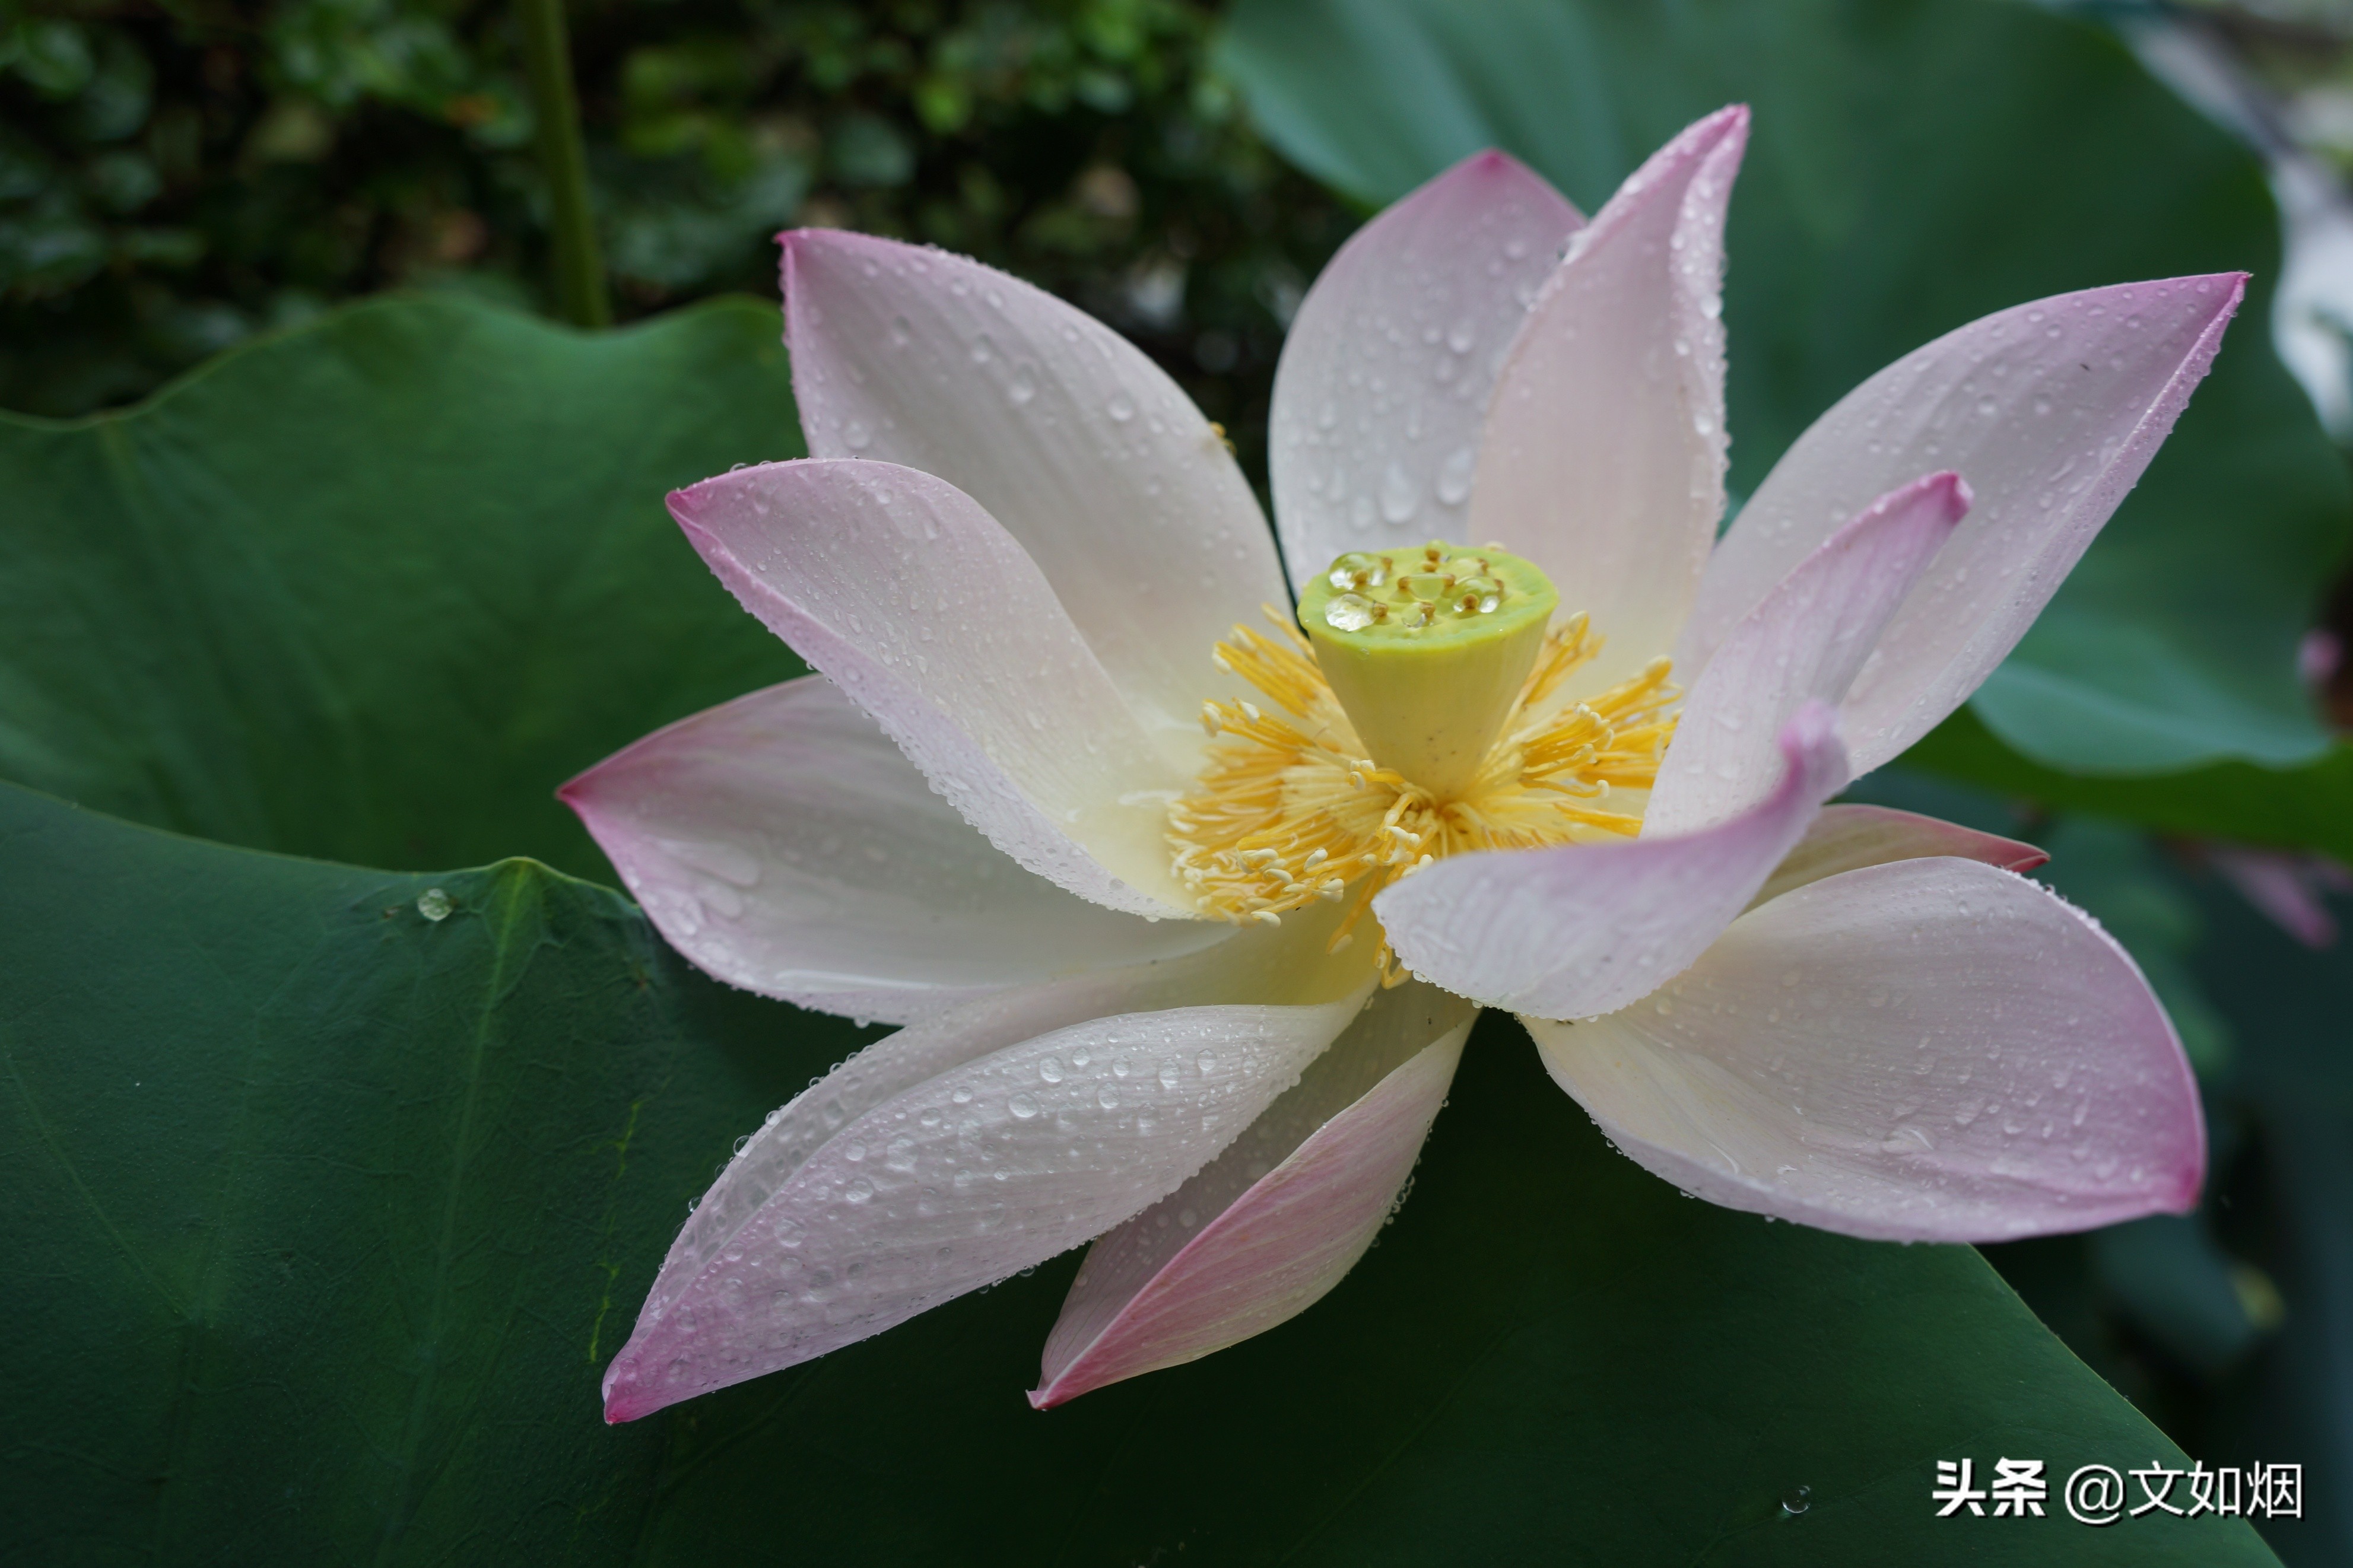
1289	811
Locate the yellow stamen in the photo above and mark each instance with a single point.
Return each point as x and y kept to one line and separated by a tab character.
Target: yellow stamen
1290	811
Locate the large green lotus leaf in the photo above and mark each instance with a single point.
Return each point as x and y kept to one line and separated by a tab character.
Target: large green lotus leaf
1915	164
373	589
322	1216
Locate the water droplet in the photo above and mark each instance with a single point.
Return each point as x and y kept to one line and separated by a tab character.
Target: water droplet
1051	1069
1347	613
1206	1063
1120	408
1358	570
1022	1106
1454	476
1168	1075
859	1191
1022	388
1476	596
858	435
1400	497
1798	1501
1108	1098
434	904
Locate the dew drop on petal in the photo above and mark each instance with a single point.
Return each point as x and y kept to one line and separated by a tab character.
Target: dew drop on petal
1454	477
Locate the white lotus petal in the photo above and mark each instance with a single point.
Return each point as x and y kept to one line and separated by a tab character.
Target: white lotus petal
1284	966
1383	383
1927	1050
1849	838
1085	451
900	587
1602	459
1582	929
1803	643
1271	1224
2050	410
784	845
970	1175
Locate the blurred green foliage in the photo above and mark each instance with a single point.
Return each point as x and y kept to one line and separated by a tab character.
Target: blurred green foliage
177	175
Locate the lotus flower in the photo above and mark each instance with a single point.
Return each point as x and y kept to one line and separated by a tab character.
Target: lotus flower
1536	740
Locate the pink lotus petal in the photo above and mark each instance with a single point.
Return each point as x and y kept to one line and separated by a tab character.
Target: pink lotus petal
2283	886
1803	642
1289	1207
900	587
1928	1051
1602	459
782	843
969	1176
1586	929
1258	965
1094	460
2049	411
2319	654
1849	838
1385	376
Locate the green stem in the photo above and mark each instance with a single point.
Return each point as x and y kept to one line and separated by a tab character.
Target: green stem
579	266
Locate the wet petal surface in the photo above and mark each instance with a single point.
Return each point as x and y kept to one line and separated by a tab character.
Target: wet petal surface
1929	1050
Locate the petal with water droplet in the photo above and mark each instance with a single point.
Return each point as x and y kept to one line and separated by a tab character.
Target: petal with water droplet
925	611
1294	1201
1388	307
2118	364
1804	642
1808	1101
1143	526
998	1173
855	887
1849	838
1602	457
1584	929
1258	966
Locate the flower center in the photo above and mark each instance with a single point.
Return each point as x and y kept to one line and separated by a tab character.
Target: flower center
1427	650
1421	716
